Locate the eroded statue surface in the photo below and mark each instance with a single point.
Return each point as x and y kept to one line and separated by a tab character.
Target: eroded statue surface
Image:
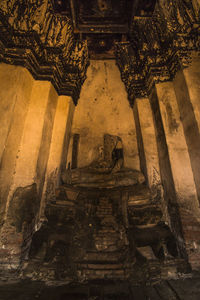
107	171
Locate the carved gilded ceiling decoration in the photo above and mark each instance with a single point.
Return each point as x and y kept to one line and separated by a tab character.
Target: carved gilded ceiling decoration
32	35
104	22
51	38
159	45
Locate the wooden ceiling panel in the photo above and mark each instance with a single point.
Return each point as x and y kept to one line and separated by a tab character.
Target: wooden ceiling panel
101	21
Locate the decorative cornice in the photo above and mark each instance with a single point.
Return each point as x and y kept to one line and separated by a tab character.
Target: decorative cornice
33	36
158	47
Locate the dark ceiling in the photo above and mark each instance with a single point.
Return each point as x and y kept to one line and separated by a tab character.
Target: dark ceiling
103	22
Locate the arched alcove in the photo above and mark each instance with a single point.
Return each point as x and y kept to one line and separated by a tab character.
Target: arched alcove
103	108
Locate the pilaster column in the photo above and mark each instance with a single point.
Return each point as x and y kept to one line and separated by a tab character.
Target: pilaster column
177	147
182	173
36	138
58	148
27	173
187	88
142	109
15	93
192	80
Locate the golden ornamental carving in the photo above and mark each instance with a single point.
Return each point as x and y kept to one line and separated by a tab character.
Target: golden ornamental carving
159	45
50	50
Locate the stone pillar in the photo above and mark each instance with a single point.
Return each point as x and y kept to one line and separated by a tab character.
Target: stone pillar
142	109
148	151
34	147
187	88
15	92
58	148
166	173
140	144
192	80
26	174
185	189
177	147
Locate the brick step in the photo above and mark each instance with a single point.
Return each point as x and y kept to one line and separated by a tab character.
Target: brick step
103	215
105	230
106	241
107	234
97	262
108	218
107	227
104	212
100	266
104	204
104	208
110	228
108	248
108	223
106	200
106	237
94	256
103	274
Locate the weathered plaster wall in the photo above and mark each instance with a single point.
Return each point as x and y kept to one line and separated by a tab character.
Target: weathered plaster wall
36	137
103	108
33	132
192	78
175	167
140	142
16	86
28	110
177	147
58	148
166	173
46	137
66	151
187	88
142	109
164	162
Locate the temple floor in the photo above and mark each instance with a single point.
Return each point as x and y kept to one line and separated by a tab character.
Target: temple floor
184	289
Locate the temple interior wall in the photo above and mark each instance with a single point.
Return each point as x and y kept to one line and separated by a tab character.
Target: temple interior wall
186	85
160	136
34	134
178	151
16	86
146	136
103	107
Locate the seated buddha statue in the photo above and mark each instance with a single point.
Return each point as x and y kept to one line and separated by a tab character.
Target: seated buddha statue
107	171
